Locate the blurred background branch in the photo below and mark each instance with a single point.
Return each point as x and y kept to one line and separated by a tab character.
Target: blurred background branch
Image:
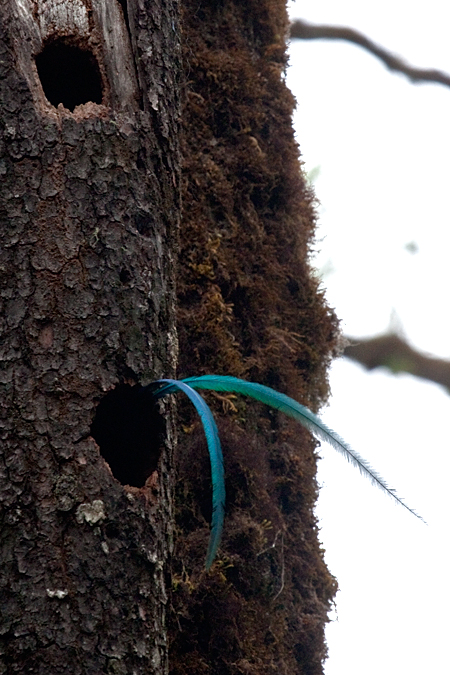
302	30
394	353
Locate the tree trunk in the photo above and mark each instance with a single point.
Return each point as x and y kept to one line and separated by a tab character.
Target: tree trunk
248	305
89	204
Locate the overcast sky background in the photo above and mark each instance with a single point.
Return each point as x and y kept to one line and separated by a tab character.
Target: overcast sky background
383	149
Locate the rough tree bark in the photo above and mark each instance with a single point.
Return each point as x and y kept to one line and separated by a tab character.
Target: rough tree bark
89	203
89	209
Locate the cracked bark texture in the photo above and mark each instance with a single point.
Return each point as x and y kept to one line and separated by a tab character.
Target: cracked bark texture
89	210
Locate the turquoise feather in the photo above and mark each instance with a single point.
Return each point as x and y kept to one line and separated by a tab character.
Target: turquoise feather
272	398
215	454
300	413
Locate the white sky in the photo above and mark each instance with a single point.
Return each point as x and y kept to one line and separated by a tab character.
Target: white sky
383	148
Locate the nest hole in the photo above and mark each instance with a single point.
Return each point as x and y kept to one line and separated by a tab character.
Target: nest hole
129	431
69	75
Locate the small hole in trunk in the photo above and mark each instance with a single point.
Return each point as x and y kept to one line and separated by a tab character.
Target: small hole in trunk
69	75
129	430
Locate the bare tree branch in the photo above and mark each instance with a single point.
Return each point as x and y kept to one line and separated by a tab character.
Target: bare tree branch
394	353
302	30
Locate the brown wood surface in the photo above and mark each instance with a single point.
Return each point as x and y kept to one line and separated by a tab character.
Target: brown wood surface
103	524
89	216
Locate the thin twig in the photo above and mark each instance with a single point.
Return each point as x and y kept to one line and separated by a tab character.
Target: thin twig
272	545
303	30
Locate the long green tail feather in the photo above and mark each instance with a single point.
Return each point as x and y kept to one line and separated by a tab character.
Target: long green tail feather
300	413
215	454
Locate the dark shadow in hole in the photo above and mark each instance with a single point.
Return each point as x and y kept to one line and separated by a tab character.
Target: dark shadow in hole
130	433
125	276
69	75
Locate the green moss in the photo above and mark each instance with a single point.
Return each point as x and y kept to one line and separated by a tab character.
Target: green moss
249	306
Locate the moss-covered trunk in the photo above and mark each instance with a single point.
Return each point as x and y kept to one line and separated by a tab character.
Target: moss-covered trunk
89	210
248	306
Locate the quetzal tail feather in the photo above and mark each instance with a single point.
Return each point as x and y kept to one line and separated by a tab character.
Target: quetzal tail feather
215	455
300	413
272	398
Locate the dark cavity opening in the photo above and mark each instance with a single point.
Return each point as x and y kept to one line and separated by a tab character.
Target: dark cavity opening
130	432
69	75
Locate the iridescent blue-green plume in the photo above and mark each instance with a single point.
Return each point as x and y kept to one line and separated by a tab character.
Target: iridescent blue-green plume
300	413
215	455
274	399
